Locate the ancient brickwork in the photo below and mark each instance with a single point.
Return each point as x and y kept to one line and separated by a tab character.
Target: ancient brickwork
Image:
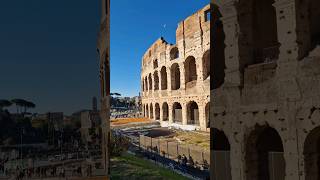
265	114
175	79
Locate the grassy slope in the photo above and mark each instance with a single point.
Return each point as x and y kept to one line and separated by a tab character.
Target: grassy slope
131	167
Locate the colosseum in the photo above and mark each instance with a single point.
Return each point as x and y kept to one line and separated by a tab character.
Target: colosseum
175	78
265	117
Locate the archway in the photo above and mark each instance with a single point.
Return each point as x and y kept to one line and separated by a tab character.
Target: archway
147	110
264	31
206	65
193	113
157	111
175	77
314	16
165	111
156	80
151	111
177	112
155	63
220	155
264	154
311	152
146	83
174	53
190	71
150	82
217	65
164	82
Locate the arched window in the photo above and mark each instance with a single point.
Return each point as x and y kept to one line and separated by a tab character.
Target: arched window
155	64
314	16
192	113
164	82
264	154
175	76
190	71
156	80
174	53
165	111
177	112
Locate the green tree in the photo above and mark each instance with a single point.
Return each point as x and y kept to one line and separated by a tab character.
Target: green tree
4	103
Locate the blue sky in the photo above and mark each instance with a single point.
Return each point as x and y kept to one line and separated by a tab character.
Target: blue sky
135	25
48	53
48	48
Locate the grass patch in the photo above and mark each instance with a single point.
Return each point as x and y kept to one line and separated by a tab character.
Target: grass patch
132	167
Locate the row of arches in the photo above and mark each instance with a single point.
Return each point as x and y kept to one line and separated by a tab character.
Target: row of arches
152	81
259	33
192	110
264	154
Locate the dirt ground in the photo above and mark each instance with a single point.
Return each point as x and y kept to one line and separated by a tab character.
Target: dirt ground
123	121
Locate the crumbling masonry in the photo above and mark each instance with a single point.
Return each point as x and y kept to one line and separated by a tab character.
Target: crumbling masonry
265	113
175	79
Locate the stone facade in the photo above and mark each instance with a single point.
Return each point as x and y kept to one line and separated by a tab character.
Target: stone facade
175	79
266	97
103	48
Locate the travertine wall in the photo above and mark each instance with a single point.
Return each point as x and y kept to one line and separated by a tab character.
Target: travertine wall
103	48
179	74
268	105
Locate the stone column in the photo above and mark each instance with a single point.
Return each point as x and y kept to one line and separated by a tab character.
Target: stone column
199	66
202	116
170	113
293	29
184	113
168	79
232	33
161	113
182	76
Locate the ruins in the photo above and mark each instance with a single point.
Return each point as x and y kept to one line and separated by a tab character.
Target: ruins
266	90
103	49
175	78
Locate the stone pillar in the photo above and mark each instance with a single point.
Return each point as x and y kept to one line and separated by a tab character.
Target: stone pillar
293	29
168	79
199	66
182	76
160	87
170	113
161	112
231	29
202	116
184	113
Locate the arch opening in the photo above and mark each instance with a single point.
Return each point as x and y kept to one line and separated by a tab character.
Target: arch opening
190	72
220	151
157	111
311	152
193	113
314	16
175	77
177	113
206	65
150	82
155	64
218	64
146	83
264	154
151	111
174	53
164	82
264	29
156	80
165	111
147	110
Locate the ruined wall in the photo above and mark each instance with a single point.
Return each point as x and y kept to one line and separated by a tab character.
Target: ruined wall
276	98
179	73
103	48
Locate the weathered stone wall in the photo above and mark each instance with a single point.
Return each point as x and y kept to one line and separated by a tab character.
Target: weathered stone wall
271	106
179	73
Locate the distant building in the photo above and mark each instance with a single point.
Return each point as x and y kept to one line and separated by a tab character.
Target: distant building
55	123
90	125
